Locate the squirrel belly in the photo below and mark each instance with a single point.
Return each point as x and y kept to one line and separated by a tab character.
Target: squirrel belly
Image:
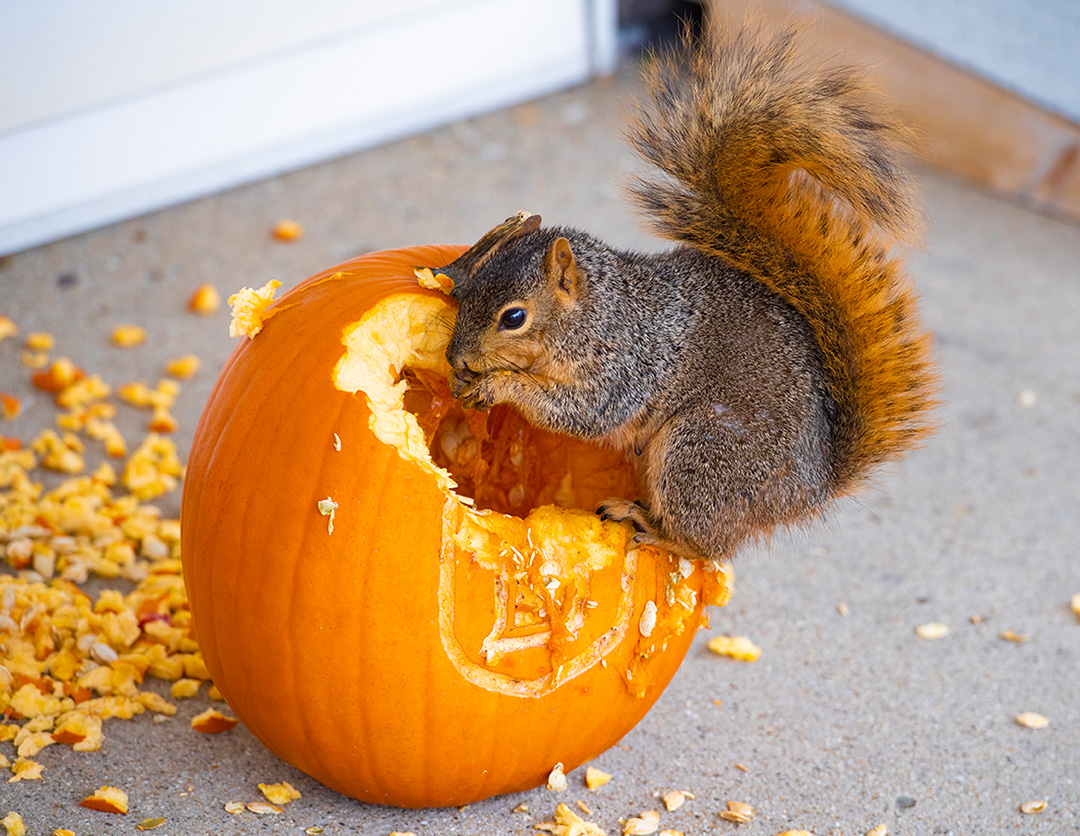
769	363
742	438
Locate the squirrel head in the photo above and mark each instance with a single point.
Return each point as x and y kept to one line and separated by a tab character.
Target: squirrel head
515	288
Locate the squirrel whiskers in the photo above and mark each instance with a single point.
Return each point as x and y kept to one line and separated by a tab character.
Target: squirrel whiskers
769	363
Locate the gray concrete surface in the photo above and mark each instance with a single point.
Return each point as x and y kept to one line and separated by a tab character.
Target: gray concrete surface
846	721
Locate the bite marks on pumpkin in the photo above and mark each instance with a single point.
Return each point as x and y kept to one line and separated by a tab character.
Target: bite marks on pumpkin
518	517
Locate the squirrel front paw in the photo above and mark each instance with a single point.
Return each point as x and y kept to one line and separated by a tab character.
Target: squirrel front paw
646	531
623	510
471	388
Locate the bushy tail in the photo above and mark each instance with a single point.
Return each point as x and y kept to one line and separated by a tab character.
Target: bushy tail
790	174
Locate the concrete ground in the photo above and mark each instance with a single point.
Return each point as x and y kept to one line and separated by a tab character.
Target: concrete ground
848	720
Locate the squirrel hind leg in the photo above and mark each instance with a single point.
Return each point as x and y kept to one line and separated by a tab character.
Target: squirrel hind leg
716	477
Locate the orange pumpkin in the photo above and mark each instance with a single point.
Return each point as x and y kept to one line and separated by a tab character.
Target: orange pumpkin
412	603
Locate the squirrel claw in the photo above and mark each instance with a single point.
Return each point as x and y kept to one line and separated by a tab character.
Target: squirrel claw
623	510
460	380
476	402
608	515
464	385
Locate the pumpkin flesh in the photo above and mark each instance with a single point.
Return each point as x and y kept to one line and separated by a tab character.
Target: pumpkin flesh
468	622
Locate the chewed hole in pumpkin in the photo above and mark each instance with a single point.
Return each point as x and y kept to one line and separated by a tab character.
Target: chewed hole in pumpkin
395	356
520	504
504	463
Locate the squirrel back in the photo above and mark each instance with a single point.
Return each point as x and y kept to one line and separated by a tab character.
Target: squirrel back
791	176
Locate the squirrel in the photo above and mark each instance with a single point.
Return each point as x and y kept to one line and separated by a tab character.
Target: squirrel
769	363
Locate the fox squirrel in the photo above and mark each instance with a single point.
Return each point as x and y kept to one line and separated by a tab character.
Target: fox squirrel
768	364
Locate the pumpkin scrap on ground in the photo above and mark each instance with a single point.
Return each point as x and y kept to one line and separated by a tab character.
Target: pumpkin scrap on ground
204	300
596	778
13	824
569	823
280	794
107	800
738	811
212	721
735	647
68	662
472	593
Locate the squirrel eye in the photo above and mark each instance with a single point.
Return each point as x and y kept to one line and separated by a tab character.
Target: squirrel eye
512	319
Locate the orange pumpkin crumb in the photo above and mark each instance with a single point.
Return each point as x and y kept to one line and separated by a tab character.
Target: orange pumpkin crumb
25	769
128	336
262	808
249	309
738	812
10	406
76	727
162	421
932	630
13	824
569	823
204	300
107	433
35	359
107	800
39	341
212	721
8	328
184	367
184	689
431	280
1032	720
643	824
735	647
60	374
595	778
281	793
327	507
287	230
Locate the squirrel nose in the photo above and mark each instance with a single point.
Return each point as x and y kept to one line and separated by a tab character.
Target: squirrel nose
456	357
454	353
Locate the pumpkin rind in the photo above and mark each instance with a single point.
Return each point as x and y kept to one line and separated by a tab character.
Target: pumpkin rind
336	649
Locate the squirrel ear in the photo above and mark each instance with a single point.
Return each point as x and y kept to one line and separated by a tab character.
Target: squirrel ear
561	267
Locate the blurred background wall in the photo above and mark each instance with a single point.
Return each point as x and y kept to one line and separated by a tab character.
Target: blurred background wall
1031	47
117	107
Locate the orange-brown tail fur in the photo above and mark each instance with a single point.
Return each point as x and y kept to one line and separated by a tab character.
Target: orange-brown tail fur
791	175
